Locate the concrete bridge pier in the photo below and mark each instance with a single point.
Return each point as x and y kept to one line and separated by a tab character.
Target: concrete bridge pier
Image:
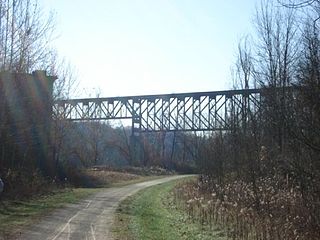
136	149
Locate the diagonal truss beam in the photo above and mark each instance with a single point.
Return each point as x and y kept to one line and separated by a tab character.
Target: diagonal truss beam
197	111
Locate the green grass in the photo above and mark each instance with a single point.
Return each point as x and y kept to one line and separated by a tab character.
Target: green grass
16	214
152	215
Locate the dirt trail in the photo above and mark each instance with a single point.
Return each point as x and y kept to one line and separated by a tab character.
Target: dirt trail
90	219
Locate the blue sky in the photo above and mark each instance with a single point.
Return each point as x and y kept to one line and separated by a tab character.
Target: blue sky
131	47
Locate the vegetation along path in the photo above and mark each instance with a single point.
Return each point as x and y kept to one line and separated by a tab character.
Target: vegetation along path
90	219
154	214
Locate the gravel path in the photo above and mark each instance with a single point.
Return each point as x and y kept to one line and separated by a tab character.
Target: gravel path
90	219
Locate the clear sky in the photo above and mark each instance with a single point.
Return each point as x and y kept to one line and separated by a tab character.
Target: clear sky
131	47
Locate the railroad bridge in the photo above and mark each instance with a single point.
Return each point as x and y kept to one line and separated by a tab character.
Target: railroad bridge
195	111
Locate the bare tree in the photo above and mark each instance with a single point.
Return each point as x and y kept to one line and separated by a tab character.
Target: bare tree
244	67
275	57
300	3
25	36
66	85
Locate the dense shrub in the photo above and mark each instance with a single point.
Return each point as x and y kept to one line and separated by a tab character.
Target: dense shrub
22	182
270	213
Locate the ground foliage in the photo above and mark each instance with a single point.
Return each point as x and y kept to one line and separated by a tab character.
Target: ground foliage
153	214
270	213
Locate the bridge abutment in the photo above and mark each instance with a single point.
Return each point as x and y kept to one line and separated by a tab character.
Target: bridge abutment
26	115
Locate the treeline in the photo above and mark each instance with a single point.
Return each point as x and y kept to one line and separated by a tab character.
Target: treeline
262	179
80	145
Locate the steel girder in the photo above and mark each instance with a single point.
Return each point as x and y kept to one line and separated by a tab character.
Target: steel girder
197	111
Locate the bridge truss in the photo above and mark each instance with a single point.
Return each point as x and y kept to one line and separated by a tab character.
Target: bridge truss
197	111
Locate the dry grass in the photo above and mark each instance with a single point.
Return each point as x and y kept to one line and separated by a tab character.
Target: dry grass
107	177
277	213
102	177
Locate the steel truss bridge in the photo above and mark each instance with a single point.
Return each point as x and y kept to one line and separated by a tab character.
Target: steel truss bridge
196	111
